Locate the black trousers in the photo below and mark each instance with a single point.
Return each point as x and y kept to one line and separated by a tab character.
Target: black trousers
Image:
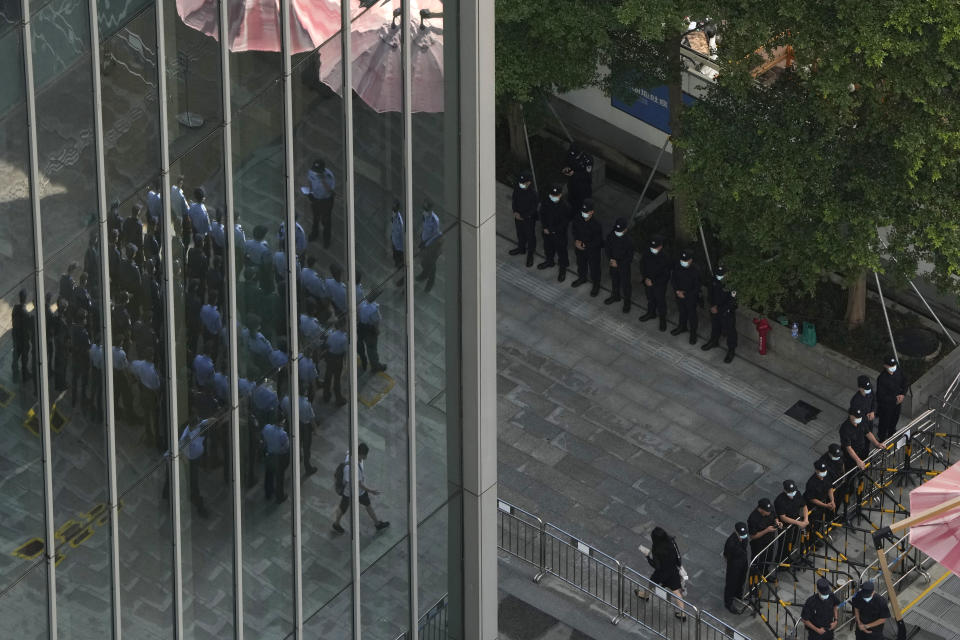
306	442
526	234
397	259
21	353
555	246
79	376
620	282
657	298
367	336
588	262
887	418
332	376
733	583
428	262
322	210
273	475
724	324
687	308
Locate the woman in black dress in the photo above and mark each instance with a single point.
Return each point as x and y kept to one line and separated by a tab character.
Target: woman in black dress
665	559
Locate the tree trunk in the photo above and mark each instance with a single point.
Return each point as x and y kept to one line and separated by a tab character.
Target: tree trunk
857	301
518	142
681	226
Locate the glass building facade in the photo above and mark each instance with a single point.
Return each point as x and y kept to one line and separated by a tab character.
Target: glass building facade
183	378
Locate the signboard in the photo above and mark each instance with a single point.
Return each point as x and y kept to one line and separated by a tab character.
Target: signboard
651	106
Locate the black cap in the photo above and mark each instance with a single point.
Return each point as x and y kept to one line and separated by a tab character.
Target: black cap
656	241
823	585
523	177
863	382
587	205
890	361
867	587
765	504
318	165
834	449
620	224
820	465
427	204
789	485
720	270
740	528
556	190
856	412
686	254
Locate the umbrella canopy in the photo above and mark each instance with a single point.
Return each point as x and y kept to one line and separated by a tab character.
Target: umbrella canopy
255	24
939	538
377	63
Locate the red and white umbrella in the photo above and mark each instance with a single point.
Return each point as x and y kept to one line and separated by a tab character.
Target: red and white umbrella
255	24
377	63
938	537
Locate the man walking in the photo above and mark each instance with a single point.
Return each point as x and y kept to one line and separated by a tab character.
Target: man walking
620	259
343	489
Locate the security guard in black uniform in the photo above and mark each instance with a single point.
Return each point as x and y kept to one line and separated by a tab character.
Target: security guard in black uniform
555	217
526	202
792	509
723	314
855	440
656	267
736	553
819	494
865	400
891	390
587	242
819	613
686	288
620	250
833	459
762	527
871	612
578	167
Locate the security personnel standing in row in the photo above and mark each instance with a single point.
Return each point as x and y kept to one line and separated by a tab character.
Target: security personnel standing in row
736	553
656	268
578	167
891	390
763	527
555	217
819	494
819	613
587	241
871	612
723	314
620	250
833	459
686	288
855	440
792	509
525	204
865	400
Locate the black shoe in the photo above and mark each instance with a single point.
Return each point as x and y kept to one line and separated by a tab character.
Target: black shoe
578	282
663	324
611	300
594	291
202	512
326	396
649	315
626	307
309	470
516	251
399	281
382	525
337	528
341	401
379	368
710	344
281	499
529	259
693	338
429	286
677	331
422	276
363	365
546	264
562	275
729	357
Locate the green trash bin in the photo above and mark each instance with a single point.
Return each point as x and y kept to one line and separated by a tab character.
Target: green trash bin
809	334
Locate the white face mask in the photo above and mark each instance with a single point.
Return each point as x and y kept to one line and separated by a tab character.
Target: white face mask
821	474
684	263
586	215
892	369
743	537
867	392
857	420
834	458
868	598
524	185
824	596
619	234
719	278
554	198
791	494
654	250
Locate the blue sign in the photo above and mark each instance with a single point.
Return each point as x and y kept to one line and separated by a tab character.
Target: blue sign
651	106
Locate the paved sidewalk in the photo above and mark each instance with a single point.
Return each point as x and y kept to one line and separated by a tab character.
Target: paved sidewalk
608	427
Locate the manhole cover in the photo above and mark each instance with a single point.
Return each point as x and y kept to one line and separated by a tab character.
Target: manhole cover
917	342
733	471
802	412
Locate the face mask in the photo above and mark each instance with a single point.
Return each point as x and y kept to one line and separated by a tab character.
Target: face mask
868	598
743	537
824	596
554	198
892	369
524	185
821	474
654	250
791	494
867	392
719	278
619	234
684	263
834	458
586	216
857	420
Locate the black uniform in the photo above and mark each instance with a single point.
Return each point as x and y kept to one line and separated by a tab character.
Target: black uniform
621	250
854	436
820	613
656	268
590	233
889	386
866	403
687	280
724	321
579	177
555	218
525	203
737	556
758	522
22	339
818	488
869	612
791	508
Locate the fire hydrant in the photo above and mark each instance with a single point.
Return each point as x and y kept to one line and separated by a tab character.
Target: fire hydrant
763	328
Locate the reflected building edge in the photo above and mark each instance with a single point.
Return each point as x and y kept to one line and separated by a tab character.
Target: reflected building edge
204	335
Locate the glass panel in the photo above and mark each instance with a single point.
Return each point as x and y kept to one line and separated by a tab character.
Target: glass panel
24	607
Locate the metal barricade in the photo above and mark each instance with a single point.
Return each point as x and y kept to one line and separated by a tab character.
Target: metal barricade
582	566
521	535
432	624
656	608
710	627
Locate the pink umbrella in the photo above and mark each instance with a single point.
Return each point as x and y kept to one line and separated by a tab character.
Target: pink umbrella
377	64
255	24
938	537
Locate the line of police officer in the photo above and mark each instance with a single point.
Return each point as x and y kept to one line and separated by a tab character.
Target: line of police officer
656	267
